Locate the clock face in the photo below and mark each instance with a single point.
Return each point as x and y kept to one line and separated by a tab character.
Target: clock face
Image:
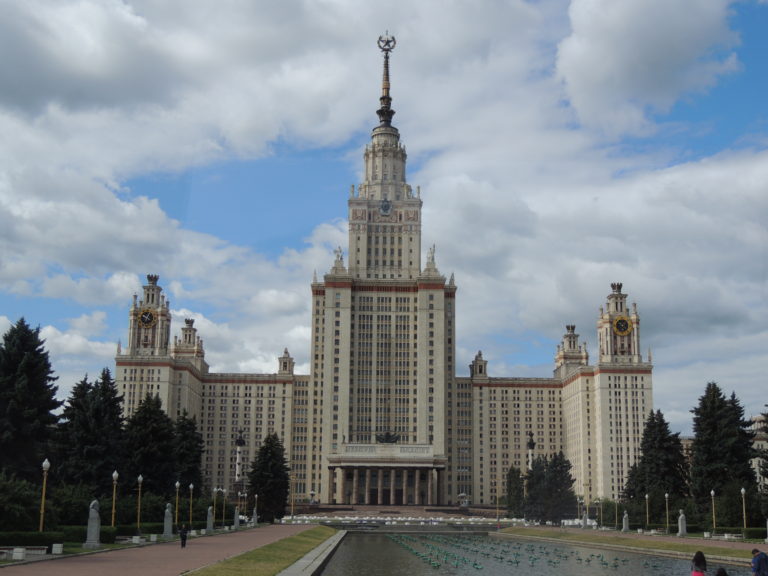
147	318
622	325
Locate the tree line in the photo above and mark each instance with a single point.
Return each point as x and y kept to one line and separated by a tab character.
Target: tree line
86	440
705	481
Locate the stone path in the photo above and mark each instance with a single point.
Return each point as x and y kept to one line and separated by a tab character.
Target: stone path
165	559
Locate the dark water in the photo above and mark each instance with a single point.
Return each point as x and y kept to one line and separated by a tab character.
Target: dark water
456	555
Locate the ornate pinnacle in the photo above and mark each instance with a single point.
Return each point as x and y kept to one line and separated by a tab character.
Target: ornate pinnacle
386	44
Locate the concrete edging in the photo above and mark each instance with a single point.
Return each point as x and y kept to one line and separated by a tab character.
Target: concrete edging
316	559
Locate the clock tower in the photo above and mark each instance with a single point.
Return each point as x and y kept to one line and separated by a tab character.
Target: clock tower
150	321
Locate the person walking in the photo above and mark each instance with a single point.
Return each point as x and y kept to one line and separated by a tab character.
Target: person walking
759	563
183	535
698	564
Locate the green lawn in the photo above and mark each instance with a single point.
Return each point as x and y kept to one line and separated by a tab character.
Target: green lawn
272	558
641	544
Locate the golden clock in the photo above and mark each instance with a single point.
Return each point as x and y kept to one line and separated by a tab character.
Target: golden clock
622	325
147	317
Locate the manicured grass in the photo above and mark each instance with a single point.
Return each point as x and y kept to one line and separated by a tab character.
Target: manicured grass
641	544
272	558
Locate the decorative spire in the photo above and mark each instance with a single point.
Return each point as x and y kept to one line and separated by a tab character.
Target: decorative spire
386	44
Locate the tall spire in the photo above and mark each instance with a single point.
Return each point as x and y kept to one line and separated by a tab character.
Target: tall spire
386	44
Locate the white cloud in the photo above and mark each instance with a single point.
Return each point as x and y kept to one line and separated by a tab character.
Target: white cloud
626	60
524	205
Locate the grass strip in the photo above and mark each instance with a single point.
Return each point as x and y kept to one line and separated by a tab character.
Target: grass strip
641	544
272	558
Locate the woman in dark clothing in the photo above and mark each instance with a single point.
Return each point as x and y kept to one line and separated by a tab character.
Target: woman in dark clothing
698	564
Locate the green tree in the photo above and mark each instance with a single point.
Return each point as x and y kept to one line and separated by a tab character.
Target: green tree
19	503
662	469
188	450
721	455
515	493
90	438
269	478
27	401
149	440
550	495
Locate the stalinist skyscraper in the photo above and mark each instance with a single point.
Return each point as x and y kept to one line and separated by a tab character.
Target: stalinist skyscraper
383	418
382	341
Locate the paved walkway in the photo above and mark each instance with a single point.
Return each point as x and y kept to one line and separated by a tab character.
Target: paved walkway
163	559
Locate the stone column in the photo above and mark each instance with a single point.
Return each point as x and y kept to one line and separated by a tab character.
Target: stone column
417	487
343	485
355	485
392	479
367	498
380	486
430	502
405	486
331	478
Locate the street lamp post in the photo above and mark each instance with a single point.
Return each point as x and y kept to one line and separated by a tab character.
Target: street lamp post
115	476
744	510
714	516
215	491
256	509
191	489
140	479
223	506
178	485
666	505
46	467
601	513
647	513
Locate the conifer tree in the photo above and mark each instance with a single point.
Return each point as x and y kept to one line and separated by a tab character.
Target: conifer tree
188	450
550	495
149	438
515	492
662	468
269	478
90	438
27	401
721	455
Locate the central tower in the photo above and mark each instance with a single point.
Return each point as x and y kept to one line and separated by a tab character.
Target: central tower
383	343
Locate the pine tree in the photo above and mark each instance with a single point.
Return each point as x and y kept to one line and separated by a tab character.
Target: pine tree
188	450
269	478
720	455
149	439
562	498
662	469
90	437
27	401
550	496
515	492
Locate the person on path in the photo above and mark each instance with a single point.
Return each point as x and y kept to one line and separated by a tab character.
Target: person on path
721	572
183	535
759	563
698	564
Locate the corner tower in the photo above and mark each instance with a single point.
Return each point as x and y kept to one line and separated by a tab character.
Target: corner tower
383	343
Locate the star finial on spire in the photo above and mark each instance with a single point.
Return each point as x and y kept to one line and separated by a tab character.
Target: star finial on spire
386	44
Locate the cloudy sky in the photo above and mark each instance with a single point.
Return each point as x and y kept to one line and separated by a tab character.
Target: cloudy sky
559	146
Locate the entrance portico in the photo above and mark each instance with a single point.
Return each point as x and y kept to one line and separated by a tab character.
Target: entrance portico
386	475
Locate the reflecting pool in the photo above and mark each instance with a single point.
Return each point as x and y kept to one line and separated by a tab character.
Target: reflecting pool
448	554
